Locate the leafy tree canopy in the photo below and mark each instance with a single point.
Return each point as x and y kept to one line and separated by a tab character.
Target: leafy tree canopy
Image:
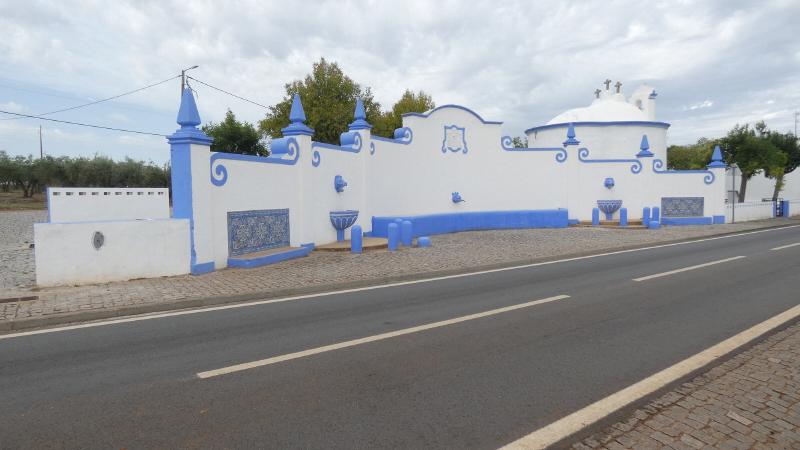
409	102
329	99
233	136
692	156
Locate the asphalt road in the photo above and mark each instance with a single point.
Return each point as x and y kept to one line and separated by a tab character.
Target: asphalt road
480	383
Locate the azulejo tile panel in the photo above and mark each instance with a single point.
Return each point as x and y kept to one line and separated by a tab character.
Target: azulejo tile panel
257	230
682	206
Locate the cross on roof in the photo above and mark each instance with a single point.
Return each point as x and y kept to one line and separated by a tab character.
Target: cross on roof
618	85
607	83
597	93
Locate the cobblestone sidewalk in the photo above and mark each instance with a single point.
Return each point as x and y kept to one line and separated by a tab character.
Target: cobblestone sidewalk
451	252
751	401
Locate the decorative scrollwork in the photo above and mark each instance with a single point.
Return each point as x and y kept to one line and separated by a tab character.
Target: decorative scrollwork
658	167
404	134
315	158
508	145
583	153
284	147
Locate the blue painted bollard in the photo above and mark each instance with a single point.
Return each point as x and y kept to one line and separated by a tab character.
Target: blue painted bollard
654	225
393	235
646	216
595	217
623	217
356	239
656	214
406	232
423	241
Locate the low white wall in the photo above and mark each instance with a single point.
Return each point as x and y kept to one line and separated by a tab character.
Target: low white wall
93	204
65	253
748	211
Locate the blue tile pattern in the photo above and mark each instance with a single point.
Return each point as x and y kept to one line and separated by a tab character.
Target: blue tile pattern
257	230
682	206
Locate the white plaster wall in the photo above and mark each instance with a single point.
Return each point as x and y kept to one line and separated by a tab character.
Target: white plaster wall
759	186
132	249
419	178
93	204
253	186
749	211
607	141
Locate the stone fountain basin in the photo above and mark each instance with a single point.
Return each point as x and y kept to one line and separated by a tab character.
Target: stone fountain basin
343	219
609	207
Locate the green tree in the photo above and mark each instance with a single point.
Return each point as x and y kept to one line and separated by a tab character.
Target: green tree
752	152
6	172
22	174
519	142
329	99
233	136
388	121
787	144
692	156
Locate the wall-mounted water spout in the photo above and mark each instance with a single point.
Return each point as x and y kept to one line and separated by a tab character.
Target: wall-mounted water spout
457	197
339	183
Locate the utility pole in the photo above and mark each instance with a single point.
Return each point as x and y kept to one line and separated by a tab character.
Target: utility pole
41	151
183	76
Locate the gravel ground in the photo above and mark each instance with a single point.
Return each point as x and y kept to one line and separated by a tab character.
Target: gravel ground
16	254
449	252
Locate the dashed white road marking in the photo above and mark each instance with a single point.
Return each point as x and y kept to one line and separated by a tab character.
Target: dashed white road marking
786	246
686	269
566	426
151	316
377	337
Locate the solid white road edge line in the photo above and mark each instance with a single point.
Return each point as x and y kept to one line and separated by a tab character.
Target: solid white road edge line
564	427
686	269
368	288
786	246
377	337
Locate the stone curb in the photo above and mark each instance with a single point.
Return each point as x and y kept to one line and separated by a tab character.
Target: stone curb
177	305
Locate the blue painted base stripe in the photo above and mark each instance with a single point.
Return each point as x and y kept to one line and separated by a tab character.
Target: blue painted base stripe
431	224
718	219
271	259
199	269
687	220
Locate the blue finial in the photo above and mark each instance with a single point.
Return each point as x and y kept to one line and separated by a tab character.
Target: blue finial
297	114
360	116
571	136
716	158
644	148
359	113
653	94
297	117
188	117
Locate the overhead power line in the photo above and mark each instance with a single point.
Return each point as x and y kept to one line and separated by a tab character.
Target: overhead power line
80	124
102	100
229	93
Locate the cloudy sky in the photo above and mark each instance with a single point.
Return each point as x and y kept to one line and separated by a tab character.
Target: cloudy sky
714	63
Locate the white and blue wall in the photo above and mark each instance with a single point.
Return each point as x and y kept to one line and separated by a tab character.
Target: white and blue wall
446	170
